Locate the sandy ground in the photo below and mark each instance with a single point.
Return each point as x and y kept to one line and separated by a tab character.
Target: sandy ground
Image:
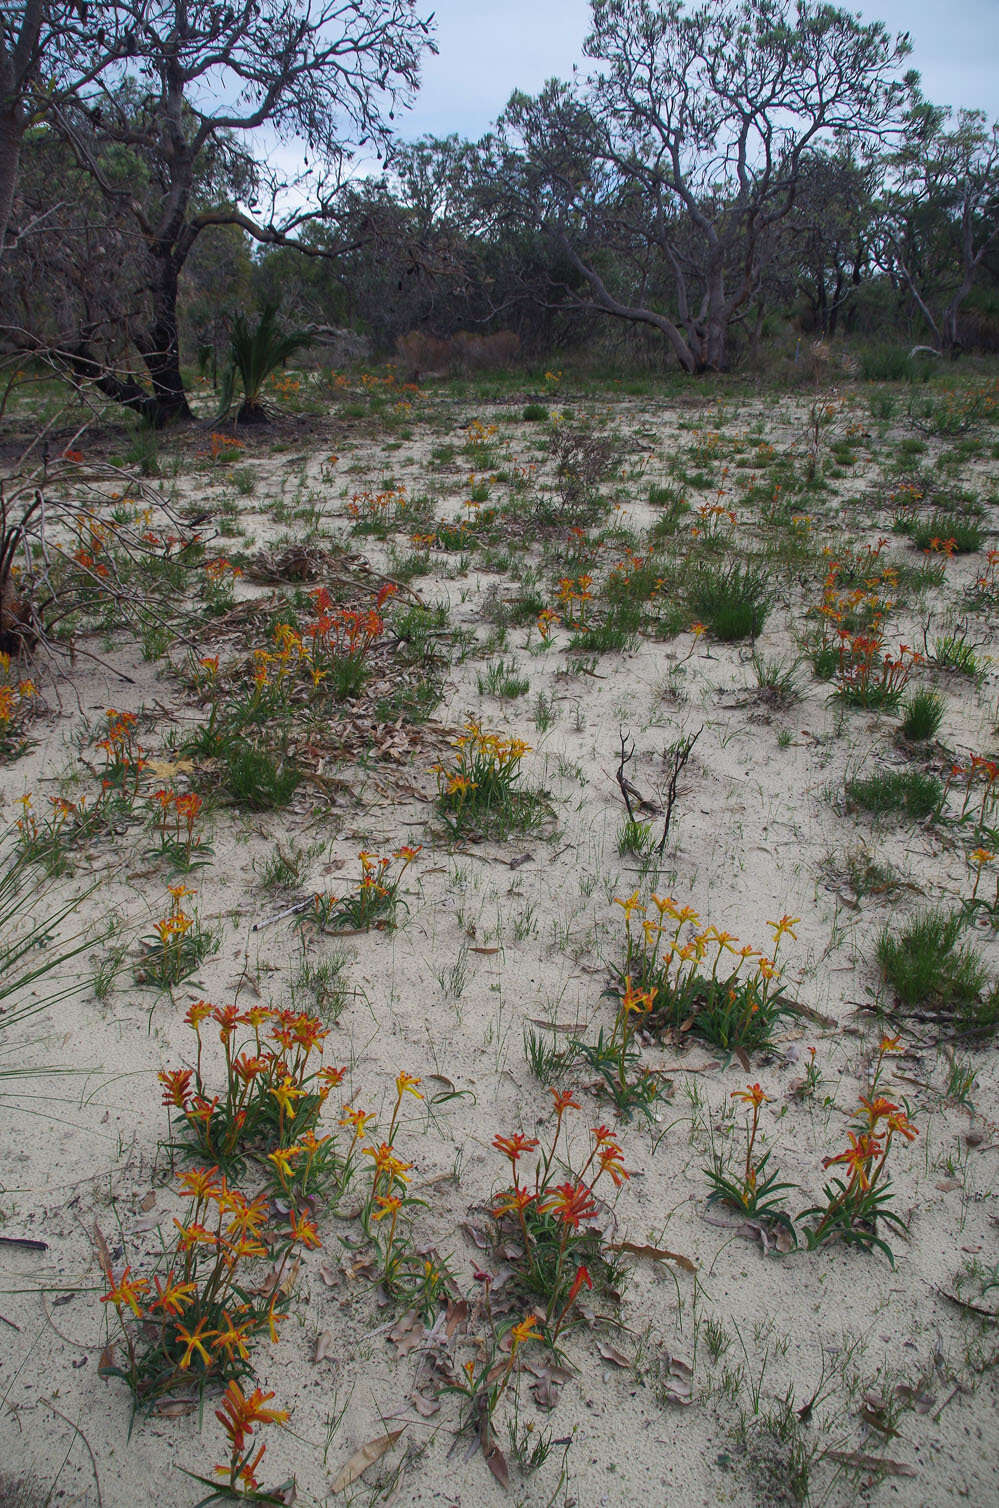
497	935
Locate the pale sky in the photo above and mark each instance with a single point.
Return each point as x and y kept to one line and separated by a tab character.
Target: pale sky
488	48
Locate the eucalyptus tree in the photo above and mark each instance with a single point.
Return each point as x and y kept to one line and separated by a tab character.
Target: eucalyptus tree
940	213
664	177
48	51
201	83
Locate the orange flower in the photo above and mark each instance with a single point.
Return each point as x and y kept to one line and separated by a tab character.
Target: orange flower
239	1414
513	1146
195	1343
752	1095
177	1086
126	1292
200	1183
406	1084
899	1122
303	1230
232	1340
513	1201
877	1109
582	1276
609	1158
858	1157
173	1298
563	1101
388	1204
572	1203
525	1331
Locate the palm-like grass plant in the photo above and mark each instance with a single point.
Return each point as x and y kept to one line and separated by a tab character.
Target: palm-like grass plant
255	355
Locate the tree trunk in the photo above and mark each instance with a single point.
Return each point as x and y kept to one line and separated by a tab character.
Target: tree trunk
713	344
11	132
123	390
159	343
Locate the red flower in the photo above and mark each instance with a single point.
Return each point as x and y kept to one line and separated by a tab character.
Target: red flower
582	1276
572	1203
513	1146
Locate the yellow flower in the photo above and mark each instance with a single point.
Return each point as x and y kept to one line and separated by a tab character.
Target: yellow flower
286	1094
282	1159
784	925
526	1330
406	1084
630	905
388	1204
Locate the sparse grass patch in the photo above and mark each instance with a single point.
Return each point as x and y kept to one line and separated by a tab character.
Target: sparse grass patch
905	791
931	972
256	778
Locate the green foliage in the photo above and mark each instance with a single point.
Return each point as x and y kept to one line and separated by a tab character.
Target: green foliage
907	791
963	534
930	970
888	363
923	715
255	355
257	779
733	600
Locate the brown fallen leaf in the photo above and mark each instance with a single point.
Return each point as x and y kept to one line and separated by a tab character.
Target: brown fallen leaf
547	1391
325	1347
612	1354
328	1275
657	1254
476	1235
149	1202
175	1408
105	1366
424	1406
27	1243
456	1315
869	1463
146	1223
408	1333
677	1382
102	1250
496	1461
915	1398
487	951
366	1456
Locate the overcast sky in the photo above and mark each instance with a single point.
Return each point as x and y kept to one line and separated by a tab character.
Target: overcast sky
488	48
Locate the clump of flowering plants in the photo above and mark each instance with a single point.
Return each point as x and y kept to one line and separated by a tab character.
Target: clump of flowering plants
175	819
193	1320
237	1480
178	944
269	1104
373	903
416	1279
857	1199
700	981
17	698
750	1188
616	1058
479	786
554	1215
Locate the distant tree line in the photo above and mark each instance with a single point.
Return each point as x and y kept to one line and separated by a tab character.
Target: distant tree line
721	168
